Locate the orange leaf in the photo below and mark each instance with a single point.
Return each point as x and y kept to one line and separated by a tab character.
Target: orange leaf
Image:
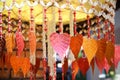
75	44
110	52
16	63
90	48
25	65
75	69
100	54
32	42
10	42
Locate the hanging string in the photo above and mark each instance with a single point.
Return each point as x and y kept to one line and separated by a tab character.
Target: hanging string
44	41
0	24
106	30
112	32
60	20
74	22
9	22
31	19
98	28
88	23
19	22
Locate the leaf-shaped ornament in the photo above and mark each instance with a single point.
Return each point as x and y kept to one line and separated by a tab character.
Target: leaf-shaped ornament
83	65
10	42
90	48
32	42
19	42
25	65
60	43
100	54
75	69
117	55
109	53
16	63
75	44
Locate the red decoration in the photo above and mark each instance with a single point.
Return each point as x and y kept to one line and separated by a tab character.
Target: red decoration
75	69
75	44
100	64
19	42
100	54
117	55
44	67
106	66
83	65
64	67
75	27
109	53
34	69
93	65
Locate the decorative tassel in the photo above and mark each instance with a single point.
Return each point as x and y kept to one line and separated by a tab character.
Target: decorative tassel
19	37
32	39
51	59
9	37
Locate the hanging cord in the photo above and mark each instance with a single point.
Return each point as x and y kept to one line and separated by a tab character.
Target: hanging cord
9	21
112	32
19	22
1	19
106	30
88	23
98	28
0	24
31	19
60	20
74	22
44	42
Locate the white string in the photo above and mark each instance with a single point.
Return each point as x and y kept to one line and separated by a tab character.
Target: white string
32	5
47	5
19	6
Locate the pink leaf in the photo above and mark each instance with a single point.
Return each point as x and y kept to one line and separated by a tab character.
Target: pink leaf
19	42
60	43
